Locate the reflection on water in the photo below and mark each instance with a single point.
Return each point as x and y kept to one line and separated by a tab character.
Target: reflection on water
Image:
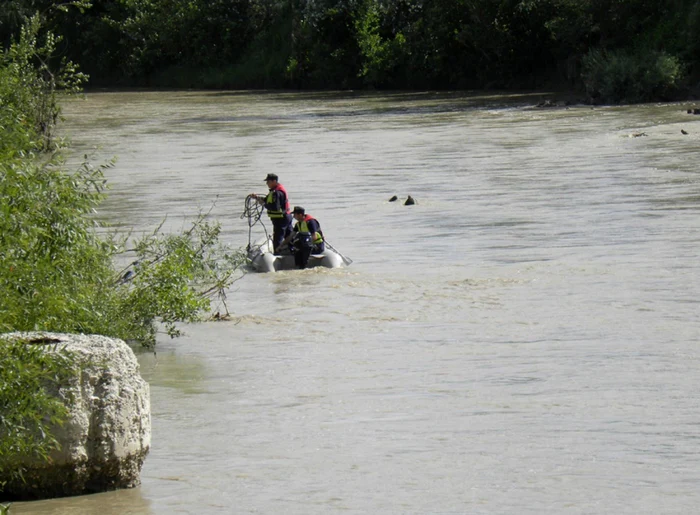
170	370
522	340
107	503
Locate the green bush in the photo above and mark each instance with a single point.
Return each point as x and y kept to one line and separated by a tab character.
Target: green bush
171	280
57	273
53	267
28	90
57	262
27	409
619	76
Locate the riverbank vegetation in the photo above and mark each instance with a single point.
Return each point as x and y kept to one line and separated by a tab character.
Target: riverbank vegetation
609	51
27	374
59	267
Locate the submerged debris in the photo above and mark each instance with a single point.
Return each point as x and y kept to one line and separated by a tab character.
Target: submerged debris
409	201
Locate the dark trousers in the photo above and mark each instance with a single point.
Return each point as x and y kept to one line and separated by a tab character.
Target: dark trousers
301	255
281	228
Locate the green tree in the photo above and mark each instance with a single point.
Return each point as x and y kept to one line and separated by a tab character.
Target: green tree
28	89
381	50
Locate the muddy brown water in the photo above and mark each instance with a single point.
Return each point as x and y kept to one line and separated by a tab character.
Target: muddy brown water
523	339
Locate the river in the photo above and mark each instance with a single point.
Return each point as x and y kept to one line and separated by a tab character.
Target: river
524	339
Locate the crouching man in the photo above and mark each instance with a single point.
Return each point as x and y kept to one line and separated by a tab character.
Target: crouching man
306	237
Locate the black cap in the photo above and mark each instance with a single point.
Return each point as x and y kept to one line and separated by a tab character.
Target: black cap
271	177
298	209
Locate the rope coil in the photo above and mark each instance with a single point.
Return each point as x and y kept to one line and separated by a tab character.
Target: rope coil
253	211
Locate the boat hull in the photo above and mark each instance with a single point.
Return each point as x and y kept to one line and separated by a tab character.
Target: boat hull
263	260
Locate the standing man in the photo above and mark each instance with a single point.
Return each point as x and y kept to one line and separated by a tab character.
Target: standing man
306	237
277	204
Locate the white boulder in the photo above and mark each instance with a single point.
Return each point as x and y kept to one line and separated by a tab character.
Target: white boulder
107	434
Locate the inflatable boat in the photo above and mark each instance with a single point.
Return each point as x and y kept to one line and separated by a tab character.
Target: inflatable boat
262	259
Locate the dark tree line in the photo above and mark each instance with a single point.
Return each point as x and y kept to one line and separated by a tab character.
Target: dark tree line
617	49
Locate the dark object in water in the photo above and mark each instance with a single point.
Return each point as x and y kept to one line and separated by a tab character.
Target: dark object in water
693	111
409	201
684	132
393	199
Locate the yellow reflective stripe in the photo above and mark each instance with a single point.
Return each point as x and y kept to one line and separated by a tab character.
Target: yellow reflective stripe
304	227
274	213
